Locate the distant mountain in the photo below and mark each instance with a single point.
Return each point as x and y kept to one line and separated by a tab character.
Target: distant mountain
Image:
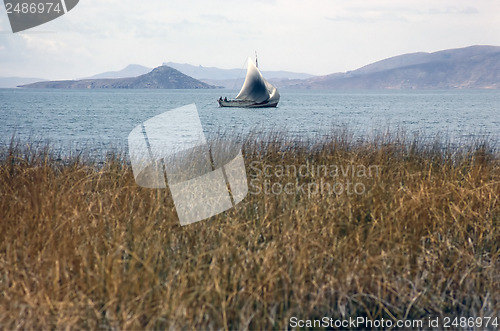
236	84
230	78
162	77
226	83
469	67
473	67
132	70
11	82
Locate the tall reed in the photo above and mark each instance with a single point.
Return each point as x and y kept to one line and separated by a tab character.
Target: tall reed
83	246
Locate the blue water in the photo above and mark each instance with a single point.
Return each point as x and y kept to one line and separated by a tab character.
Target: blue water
102	119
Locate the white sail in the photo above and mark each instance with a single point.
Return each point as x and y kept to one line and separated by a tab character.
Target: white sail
274	95
256	88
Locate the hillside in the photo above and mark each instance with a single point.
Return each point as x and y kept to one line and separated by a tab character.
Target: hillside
163	77
474	67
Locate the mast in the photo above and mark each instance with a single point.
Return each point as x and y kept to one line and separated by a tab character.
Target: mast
256	62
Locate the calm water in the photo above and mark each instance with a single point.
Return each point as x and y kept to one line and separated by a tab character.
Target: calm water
100	119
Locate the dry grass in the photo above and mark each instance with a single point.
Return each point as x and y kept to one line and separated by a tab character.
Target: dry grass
82	246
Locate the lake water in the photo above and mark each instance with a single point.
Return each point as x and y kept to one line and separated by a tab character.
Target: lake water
102	119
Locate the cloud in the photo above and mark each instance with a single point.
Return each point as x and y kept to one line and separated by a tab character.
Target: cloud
43	44
454	11
317	36
389	12
373	16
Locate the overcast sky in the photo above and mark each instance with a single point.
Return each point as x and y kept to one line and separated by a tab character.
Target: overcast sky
313	36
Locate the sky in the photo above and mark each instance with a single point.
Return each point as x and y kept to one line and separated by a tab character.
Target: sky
315	36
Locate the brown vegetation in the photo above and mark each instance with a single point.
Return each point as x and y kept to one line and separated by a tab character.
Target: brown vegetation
83	246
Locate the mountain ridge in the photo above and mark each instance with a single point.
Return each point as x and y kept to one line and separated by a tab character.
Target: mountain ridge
132	70
469	67
162	77
473	67
214	73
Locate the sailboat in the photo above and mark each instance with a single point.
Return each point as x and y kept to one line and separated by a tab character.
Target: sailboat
256	92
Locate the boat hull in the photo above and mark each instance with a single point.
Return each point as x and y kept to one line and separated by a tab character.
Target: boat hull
246	104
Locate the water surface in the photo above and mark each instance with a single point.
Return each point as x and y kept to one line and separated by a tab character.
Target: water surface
100	119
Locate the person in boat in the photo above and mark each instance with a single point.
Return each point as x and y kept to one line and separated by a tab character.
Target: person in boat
220	99
225	98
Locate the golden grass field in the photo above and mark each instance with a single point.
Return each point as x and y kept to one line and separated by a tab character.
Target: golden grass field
82	246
